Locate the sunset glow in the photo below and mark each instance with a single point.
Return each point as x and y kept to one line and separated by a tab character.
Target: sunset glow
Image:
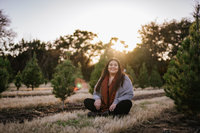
122	47
47	20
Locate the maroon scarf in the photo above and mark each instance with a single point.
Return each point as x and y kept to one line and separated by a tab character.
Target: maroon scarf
107	94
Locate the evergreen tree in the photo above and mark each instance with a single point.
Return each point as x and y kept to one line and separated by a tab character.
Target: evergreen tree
131	74
183	75
46	81
4	75
5	63
18	80
32	75
63	80
155	78
96	73
3	79
143	79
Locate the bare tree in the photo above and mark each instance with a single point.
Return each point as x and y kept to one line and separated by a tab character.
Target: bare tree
6	34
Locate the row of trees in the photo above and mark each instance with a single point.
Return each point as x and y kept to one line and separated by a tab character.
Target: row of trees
79	49
159	44
62	81
31	75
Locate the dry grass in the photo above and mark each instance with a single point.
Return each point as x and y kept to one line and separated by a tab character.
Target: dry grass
145	92
83	91
12	87
34	101
78	121
79	97
47	90
26	93
27	102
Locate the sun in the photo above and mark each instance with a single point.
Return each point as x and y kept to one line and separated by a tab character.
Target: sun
121	46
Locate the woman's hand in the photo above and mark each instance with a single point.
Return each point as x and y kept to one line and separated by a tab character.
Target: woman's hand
97	104
112	107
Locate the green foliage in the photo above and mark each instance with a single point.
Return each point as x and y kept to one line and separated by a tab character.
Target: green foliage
5	63
165	37
139	56
131	74
80	122
18	80
155	78
83	47
183	75
32	75
157	41
96	73
4	75
63	80
143	79
47	56
3	79
46	81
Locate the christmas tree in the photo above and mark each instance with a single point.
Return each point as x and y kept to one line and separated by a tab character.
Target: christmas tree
4	75
143	79
155	78
183	74
63	80
32	74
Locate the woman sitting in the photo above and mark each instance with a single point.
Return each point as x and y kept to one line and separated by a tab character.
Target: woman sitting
112	93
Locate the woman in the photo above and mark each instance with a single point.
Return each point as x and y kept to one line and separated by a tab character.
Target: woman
112	93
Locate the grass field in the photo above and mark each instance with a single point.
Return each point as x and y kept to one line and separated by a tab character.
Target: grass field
78	121
75	120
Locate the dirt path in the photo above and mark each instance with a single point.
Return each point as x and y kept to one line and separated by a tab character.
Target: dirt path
19	115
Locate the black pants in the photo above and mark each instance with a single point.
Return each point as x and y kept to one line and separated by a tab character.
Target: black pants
122	107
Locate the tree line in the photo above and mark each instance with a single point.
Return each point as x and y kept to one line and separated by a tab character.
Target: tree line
151	57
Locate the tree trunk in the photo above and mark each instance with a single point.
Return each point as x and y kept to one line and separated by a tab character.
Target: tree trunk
32	88
63	105
17	92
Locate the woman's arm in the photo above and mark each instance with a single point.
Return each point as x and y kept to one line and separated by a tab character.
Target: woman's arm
96	95
125	92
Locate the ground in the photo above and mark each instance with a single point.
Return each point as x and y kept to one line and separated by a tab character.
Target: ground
21	114
170	121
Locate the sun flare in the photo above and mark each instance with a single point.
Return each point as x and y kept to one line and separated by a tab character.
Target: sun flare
122	46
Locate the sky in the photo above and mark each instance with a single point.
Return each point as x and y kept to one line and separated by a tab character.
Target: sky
47	20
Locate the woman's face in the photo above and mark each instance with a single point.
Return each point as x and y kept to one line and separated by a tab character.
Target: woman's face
113	67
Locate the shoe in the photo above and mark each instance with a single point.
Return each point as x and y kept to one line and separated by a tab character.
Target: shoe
106	113
92	114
